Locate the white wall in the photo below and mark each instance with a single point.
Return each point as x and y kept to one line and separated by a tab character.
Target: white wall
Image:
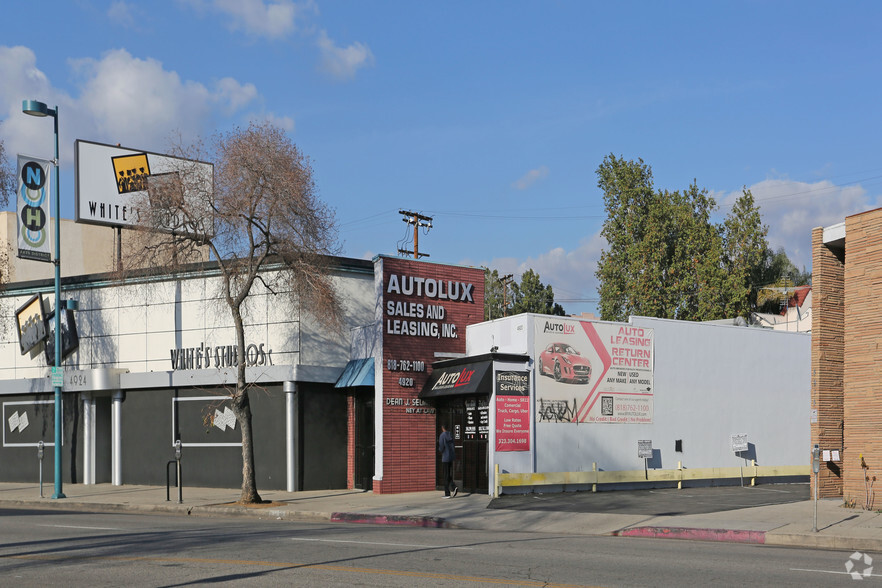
134	327
85	249
710	382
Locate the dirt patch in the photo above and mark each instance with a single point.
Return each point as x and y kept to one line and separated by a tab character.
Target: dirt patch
264	504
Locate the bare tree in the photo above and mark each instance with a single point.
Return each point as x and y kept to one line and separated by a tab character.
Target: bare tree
260	211
7	187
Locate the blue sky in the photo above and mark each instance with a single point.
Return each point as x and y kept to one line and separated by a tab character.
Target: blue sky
491	117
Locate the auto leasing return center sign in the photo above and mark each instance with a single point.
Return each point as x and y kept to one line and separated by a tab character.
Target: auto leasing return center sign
589	372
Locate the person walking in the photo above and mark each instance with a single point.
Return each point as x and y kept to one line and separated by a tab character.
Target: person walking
448	455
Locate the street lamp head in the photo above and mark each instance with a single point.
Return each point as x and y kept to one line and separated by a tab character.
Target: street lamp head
36	108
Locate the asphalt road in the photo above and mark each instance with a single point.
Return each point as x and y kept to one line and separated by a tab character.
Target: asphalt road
663	502
45	548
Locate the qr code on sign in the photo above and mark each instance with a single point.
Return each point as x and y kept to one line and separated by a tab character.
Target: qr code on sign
606	405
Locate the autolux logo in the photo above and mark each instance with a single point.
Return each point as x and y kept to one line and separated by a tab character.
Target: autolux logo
454	379
562	328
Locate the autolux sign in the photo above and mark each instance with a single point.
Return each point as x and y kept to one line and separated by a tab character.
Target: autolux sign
422	319
460	379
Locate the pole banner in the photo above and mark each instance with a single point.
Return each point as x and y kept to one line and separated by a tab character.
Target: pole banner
33	208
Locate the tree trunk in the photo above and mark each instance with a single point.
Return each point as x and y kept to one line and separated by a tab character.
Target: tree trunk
242	410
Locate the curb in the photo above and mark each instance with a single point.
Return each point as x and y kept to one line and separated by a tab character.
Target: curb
401	520
172	509
725	535
834	542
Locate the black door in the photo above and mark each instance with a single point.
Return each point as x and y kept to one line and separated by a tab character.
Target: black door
364	441
467	418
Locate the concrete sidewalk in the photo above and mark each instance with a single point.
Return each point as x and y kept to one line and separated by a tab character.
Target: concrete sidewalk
780	524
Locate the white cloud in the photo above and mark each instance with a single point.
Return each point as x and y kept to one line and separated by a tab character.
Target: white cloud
22	80
569	273
123	14
791	209
283	122
281	18
272	20
530	178
343	62
122	99
233	96
130	97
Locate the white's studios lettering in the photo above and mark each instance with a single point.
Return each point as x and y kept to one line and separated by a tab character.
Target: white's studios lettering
196	358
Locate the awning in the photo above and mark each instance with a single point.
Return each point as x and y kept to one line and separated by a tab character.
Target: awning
358	372
456	380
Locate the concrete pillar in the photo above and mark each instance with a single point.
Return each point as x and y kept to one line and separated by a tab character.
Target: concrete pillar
290	389
88	438
116	438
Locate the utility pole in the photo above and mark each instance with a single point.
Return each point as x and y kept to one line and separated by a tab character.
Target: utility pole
417	220
505	280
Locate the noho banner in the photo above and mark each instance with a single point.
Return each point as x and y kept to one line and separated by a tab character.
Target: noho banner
33	208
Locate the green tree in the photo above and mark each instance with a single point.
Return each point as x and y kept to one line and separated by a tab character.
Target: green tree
775	280
531	295
744	251
627	196
665	257
497	295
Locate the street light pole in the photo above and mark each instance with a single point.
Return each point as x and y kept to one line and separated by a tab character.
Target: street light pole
35	108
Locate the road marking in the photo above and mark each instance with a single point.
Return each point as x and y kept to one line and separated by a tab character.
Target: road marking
295	565
378	543
831	572
78	527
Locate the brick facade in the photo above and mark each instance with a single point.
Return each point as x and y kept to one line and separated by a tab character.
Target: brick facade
828	275
350	441
424	311
862	402
846	351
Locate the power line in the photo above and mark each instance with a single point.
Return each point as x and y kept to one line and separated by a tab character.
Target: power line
417	220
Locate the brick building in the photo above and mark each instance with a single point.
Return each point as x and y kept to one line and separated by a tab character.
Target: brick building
846	336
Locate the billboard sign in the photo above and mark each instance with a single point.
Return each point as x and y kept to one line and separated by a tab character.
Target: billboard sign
33	208
70	338
592	372
31	323
113	183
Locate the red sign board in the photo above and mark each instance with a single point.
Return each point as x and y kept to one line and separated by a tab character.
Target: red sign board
512	411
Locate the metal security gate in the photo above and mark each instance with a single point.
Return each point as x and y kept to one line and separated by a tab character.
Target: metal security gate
468	419
364	441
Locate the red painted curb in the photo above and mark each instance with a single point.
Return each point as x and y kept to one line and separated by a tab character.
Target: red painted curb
402	520
727	535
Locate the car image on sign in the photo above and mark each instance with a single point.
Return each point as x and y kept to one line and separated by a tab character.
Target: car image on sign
562	362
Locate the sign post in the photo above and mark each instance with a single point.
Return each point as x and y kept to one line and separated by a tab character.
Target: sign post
40	109
739	444
40	458
644	450
816	467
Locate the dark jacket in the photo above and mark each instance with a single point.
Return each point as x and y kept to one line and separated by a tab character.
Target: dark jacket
445	446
